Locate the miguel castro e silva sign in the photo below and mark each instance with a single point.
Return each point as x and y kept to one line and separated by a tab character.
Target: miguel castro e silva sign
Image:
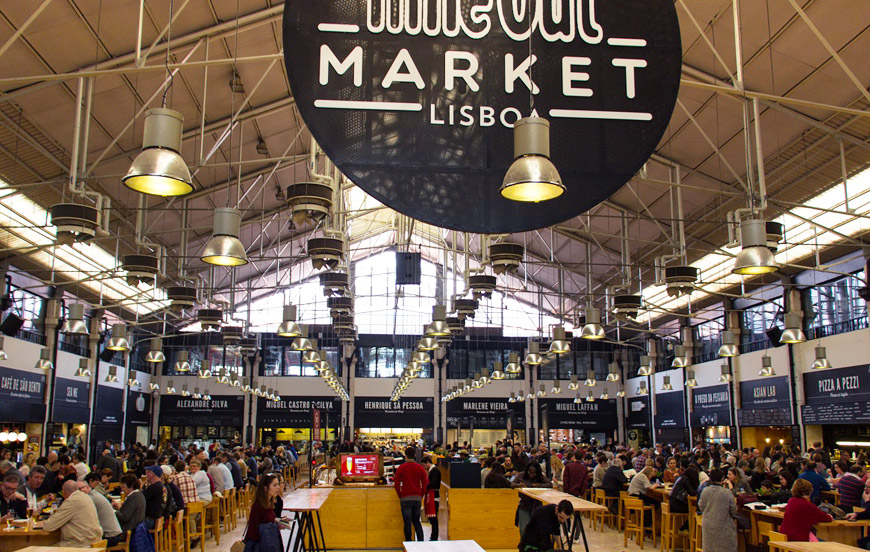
415	100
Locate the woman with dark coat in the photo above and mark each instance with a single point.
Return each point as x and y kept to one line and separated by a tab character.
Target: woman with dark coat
685	486
532	477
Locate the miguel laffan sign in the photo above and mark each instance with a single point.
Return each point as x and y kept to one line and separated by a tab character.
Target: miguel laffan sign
415	100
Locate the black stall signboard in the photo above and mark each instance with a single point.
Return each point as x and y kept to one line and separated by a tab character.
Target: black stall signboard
220	411
415	101
71	401
840	396
21	396
295	412
484	413
408	412
765	402
138	408
670	410
711	406
637	416
109	407
600	415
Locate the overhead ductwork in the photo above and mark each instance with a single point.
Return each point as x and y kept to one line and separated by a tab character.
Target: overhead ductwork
140	268
74	222
309	202
505	256
325	252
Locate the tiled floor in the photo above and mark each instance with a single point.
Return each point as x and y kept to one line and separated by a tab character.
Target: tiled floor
608	540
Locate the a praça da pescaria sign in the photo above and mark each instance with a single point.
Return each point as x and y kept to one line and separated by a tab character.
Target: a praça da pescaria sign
415	100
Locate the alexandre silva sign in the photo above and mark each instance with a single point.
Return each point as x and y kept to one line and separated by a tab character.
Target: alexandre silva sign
414	100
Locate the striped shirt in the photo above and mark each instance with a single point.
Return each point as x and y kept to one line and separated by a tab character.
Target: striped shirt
851	487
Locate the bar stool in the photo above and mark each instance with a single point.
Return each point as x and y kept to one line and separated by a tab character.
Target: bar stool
605	516
159	534
775	538
620	512
634	512
226	512
193	509
212	520
699	533
671	534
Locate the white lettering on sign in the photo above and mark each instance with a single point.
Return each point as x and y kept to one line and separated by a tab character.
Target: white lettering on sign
483	405
844	383
572	407
20	385
72	392
194	403
708	398
390	405
764	392
450	18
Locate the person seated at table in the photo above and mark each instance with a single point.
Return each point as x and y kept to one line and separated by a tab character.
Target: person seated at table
850	486
155	498
614	479
672	472
818	482
13	505
532	477
132	512
864	515
545	522
759	474
31	491
685	486
95	482
76	519
108	520
801	514
640	484
495	479
736	484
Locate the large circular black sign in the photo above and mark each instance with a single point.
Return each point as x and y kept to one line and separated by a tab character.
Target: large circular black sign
415	100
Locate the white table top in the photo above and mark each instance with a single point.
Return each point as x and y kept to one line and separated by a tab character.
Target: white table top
304	500
443	546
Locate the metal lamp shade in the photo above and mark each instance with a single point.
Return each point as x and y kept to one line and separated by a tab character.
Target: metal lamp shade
84	370
427	344
590	378
793	332
3	355
590	397
621	392
170	388
497	371
725	376
301	344
159	170
112	376
575	384
118	341
642	389
513	366
205	369
44	362
155	354
578	399
289	327
755	258
560	344
439	326
533	356
646	368
593	328
532	177
420	357
766	367
729	345
75	320
613	372
182	363
224	248
666	384
821	361
680	358
690	379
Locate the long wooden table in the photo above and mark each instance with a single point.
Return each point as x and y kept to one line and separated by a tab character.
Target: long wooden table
49	549
816	547
442	546
552	496
21	537
838	531
306	504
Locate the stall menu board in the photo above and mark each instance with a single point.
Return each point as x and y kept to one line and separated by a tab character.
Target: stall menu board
221	410
484	413
600	415
360	465
637	416
670	410
295	412
71	401
765	402
711	406
840	396
138	408
109	406
411	412
21	396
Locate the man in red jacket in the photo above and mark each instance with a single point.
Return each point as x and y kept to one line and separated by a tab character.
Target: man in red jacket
410	482
575	480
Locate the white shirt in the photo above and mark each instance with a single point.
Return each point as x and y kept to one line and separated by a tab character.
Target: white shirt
203	487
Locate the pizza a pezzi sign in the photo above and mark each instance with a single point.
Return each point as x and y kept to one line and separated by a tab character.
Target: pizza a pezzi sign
415	100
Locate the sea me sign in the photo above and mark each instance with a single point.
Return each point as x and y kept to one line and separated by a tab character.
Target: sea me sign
415	100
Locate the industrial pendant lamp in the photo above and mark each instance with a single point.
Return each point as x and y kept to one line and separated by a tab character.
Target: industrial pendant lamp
680	358
729	345
181	362
557	388
420	357
485	376
725	376
44	362
170	388
532	177
578	399
613	372
512	398
3	355
289	327
154	386
184	391
196	393
590	397
75	320
497	371
206	396
646	368
642	389
159	169
438	327
118	341
793	332
542	391
766	367
301	343
754	258
476	384
590	378
533	355
224	248
312	356
84	370
593	328
604	395
513	366
666	384
132	381
690	378
521	396
155	353
821	361
205	369
575	383
427	344
560	344
112	376
621	392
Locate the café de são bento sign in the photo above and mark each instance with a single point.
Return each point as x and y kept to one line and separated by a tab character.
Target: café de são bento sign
415	100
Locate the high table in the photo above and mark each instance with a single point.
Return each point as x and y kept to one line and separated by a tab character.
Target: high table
552	496
49	549
444	546
838	531
816	547
22	537
306	504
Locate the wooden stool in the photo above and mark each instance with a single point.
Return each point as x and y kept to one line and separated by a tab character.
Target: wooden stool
100	545
212	520
604	516
634	511
162	538
193	509
620	512
775	538
671	534
123	546
226	516
699	533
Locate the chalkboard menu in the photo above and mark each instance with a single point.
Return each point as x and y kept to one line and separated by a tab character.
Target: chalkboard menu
711	406
71	401
411	412
670	410
637	416
21	396
765	402
840	396
295	412
485	413
221	410
600	415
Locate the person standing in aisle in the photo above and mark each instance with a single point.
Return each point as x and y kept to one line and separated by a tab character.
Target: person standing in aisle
430	502
719	534
410	482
